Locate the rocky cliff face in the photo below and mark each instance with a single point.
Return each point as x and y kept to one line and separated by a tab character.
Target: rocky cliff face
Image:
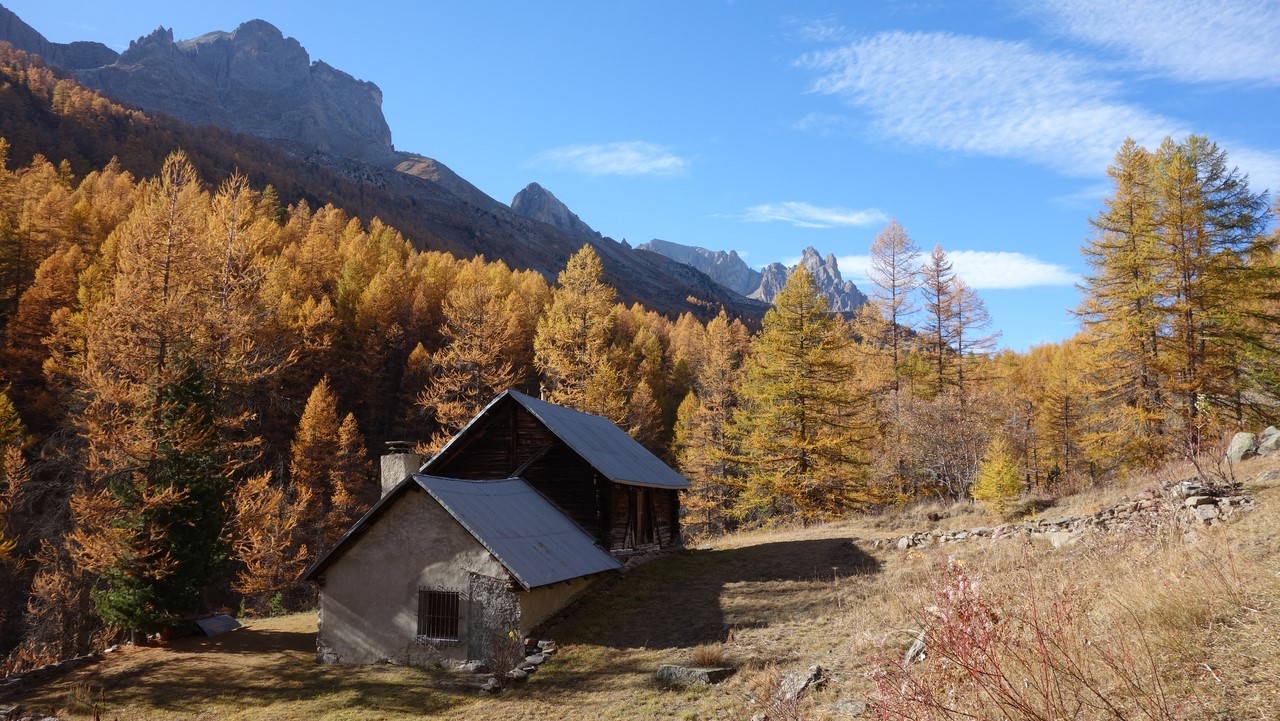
537	203
725	268
842	294
252	80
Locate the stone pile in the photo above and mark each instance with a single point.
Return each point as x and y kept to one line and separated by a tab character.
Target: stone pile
1183	505
536	654
10	685
18	713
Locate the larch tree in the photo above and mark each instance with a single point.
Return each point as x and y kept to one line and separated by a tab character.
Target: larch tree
480	335
997	484
894	273
148	414
703	443
1122	311
573	346
326	466
1210	227
969	335
937	285
265	539
1178	266
158	363
798	426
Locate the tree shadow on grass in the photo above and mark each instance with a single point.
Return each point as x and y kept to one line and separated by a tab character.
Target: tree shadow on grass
680	601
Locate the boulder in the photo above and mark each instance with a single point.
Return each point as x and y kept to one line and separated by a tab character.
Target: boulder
795	685
849	708
676	675
1243	445
1269	442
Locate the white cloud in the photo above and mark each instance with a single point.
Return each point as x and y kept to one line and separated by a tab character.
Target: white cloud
804	215
987	97
1201	41
625	158
1006	269
981	269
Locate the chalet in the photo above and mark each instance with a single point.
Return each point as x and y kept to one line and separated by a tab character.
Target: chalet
515	517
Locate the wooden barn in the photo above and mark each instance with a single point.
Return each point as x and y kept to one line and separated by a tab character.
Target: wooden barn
610	485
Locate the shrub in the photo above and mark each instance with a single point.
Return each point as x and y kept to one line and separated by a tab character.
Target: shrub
1035	659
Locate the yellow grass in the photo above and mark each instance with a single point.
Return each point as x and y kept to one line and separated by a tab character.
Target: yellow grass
773	602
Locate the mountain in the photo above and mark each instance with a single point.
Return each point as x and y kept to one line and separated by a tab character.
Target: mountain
729	270
72	56
537	203
842	294
725	268
256	82
252	80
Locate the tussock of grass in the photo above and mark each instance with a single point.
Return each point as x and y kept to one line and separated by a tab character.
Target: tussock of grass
1202	617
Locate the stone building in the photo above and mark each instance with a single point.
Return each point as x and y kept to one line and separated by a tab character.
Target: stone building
515	517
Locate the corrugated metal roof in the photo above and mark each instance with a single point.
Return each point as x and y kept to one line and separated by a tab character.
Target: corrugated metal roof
608	448
537	543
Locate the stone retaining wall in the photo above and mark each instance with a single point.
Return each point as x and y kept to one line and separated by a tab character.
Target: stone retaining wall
1182	505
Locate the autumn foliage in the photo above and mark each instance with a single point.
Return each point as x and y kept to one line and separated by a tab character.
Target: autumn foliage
197	367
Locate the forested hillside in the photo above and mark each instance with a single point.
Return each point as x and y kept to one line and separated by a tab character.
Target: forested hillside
196	374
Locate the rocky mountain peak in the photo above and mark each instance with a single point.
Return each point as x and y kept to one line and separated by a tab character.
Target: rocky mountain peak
842	294
537	203
251	80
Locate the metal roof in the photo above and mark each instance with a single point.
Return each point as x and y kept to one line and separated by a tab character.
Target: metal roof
537	543
608	448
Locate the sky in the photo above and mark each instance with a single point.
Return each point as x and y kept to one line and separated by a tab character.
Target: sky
985	128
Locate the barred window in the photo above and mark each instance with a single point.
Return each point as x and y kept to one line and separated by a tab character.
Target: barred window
438	614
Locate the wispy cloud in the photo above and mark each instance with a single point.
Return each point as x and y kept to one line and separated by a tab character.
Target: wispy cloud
824	124
626	158
804	215
1210	41
981	269
821	30
986	97
1262	166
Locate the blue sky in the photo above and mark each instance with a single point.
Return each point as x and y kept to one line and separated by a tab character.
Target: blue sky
765	127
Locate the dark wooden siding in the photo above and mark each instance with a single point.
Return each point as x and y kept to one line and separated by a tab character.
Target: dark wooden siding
643	518
509	441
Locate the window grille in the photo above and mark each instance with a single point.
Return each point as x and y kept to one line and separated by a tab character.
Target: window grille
438	613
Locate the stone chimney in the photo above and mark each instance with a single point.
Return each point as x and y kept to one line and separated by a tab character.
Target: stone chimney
399	463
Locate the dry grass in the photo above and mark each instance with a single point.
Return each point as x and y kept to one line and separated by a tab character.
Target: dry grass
1205	615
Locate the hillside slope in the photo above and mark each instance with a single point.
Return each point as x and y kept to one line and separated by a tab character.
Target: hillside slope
87	130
